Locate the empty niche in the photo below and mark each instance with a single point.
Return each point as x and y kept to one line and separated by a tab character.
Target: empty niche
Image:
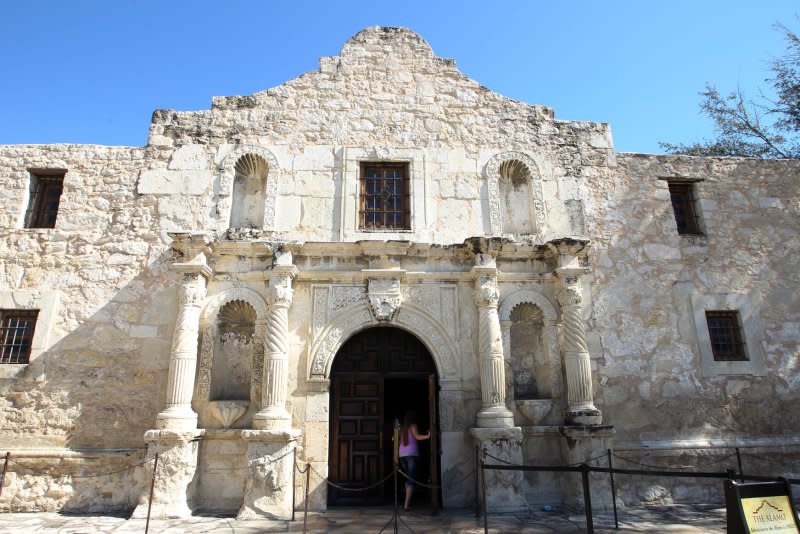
249	192
528	359
515	198
234	348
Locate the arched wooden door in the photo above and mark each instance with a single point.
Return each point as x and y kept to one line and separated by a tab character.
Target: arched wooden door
376	376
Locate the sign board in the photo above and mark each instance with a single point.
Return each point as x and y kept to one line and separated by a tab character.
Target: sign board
760	508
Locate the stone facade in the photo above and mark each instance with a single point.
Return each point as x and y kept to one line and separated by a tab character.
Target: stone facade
195	292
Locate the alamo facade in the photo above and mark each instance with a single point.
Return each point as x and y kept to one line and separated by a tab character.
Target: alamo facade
284	274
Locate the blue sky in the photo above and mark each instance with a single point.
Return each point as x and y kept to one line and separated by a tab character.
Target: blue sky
93	71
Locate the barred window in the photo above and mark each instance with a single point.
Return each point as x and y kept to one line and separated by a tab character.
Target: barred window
16	335
46	188
384	197
683	206
725	333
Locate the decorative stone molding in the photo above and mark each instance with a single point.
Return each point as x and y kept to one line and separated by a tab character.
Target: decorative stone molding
356	318
385	298
491	173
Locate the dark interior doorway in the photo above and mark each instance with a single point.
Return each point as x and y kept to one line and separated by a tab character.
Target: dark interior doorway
376	376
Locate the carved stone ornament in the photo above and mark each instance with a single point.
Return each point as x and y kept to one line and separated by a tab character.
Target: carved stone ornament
385	298
486	292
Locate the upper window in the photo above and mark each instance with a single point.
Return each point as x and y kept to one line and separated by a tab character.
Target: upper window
725	334
46	187
16	335
683	205
384	197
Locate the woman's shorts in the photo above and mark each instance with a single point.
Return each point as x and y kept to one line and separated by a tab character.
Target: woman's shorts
409	466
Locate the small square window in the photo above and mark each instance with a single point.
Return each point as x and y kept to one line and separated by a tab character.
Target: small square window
684	207
384	197
16	335
45	196
725	334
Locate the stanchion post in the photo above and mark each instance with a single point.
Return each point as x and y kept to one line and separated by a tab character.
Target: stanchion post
150	501
739	460
477	489
483	491
5	468
294	480
613	490
305	505
587	499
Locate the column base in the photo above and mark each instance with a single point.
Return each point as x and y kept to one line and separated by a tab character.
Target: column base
495	417
177	465
504	489
272	419
584	416
585	443
270	463
177	418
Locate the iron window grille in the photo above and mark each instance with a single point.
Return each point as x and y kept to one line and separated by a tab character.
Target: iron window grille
384	197
45	197
683	206
16	335
725	333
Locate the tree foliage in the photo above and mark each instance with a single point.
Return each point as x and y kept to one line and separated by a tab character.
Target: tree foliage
768	127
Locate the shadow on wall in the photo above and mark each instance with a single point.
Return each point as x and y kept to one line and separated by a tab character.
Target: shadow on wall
95	392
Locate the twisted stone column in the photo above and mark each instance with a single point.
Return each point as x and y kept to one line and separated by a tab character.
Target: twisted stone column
493	411
178	414
273	414
578	368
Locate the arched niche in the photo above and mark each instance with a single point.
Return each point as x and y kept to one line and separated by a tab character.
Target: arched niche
249	192
248	185
234	352
529	323
514	194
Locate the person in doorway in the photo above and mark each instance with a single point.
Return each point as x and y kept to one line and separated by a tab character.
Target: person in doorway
408	452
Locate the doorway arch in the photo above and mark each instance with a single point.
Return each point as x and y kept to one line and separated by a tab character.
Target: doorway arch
376	375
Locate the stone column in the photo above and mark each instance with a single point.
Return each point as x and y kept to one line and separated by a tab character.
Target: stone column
578	367
273	414
268	478
178	414
493	413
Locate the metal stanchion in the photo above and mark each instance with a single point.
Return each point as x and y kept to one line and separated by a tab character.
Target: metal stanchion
150	501
587	499
5	468
305	506
613	490
739	459
477	489
294	480
483	490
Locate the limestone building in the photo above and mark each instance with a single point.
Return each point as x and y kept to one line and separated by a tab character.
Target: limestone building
286	273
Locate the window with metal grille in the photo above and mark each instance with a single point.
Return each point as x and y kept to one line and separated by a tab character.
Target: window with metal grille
45	196
683	205
725	334
16	335
384	197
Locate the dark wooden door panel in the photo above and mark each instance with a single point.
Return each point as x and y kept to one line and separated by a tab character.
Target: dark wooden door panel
357	408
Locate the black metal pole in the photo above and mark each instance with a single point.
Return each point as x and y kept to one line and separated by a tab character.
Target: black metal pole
739	460
587	499
294	480
613	490
477	489
152	489
305	507
483	489
5	468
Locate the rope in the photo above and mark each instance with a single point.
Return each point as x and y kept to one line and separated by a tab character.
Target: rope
654	466
417	482
25	470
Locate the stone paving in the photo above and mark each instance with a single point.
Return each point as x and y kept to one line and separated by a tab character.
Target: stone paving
651	519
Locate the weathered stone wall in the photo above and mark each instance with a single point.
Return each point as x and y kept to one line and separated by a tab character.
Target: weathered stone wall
109	299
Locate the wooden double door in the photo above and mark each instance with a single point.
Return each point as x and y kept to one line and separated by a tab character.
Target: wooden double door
377	376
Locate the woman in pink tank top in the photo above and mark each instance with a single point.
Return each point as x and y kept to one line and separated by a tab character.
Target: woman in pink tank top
408	452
